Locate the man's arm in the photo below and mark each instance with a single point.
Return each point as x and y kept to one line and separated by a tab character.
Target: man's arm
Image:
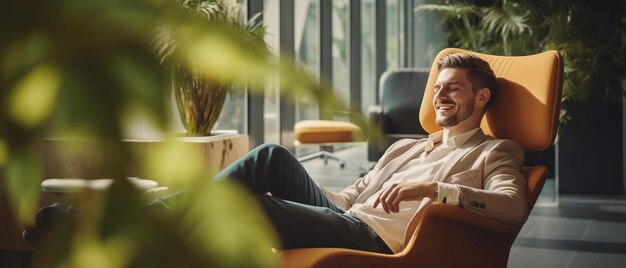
391	197
503	197
346	198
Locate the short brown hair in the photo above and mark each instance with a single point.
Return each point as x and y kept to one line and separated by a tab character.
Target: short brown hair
479	73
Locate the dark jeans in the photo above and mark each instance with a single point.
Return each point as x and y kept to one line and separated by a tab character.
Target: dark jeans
301	214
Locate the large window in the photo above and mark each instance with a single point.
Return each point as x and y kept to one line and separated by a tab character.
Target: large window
322	42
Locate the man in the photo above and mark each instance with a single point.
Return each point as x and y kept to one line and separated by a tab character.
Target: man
458	166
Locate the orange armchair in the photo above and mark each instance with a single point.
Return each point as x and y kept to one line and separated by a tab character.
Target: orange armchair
525	110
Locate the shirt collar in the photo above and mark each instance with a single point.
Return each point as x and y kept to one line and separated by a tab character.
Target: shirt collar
455	141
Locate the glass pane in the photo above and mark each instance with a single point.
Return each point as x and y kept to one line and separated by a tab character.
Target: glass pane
307	36
271	109
340	50
427	37
234	113
394	34
368	75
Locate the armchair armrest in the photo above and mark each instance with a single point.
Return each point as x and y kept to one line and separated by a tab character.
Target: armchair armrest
459	215
334	257
441	229
375	115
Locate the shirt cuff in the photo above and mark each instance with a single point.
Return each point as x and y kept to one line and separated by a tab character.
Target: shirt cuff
447	193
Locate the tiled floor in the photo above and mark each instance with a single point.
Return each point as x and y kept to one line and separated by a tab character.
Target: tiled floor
582	231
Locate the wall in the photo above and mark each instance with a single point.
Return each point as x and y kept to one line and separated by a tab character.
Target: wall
591	150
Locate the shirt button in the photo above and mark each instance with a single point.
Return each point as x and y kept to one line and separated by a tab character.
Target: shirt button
483	206
474	204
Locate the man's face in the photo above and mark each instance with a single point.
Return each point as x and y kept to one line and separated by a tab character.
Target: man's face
454	99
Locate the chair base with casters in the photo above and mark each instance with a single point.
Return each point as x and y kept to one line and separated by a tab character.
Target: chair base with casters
324	154
326	134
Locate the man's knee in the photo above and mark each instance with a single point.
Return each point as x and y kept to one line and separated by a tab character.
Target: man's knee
271	149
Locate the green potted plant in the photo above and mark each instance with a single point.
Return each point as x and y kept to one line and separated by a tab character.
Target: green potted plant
200	97
501	28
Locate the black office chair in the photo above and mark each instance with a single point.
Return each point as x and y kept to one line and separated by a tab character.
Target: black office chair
397	115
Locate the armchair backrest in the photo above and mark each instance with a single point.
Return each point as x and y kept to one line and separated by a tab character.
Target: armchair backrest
401	92
526	108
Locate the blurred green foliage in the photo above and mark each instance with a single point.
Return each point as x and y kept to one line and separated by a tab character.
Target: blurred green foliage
76	70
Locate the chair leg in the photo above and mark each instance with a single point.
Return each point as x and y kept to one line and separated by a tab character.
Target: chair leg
311	156
325	155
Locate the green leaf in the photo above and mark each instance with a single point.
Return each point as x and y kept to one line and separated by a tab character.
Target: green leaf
23	177
34	96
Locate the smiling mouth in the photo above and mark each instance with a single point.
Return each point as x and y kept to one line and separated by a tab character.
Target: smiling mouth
443	107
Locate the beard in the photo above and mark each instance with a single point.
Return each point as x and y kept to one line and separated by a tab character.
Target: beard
465	111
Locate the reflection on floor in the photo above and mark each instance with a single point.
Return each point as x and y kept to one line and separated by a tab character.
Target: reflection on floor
582	231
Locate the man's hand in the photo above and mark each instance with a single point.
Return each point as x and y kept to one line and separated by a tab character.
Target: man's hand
391	197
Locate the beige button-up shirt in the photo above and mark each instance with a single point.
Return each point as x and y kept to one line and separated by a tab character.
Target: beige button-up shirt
392	227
